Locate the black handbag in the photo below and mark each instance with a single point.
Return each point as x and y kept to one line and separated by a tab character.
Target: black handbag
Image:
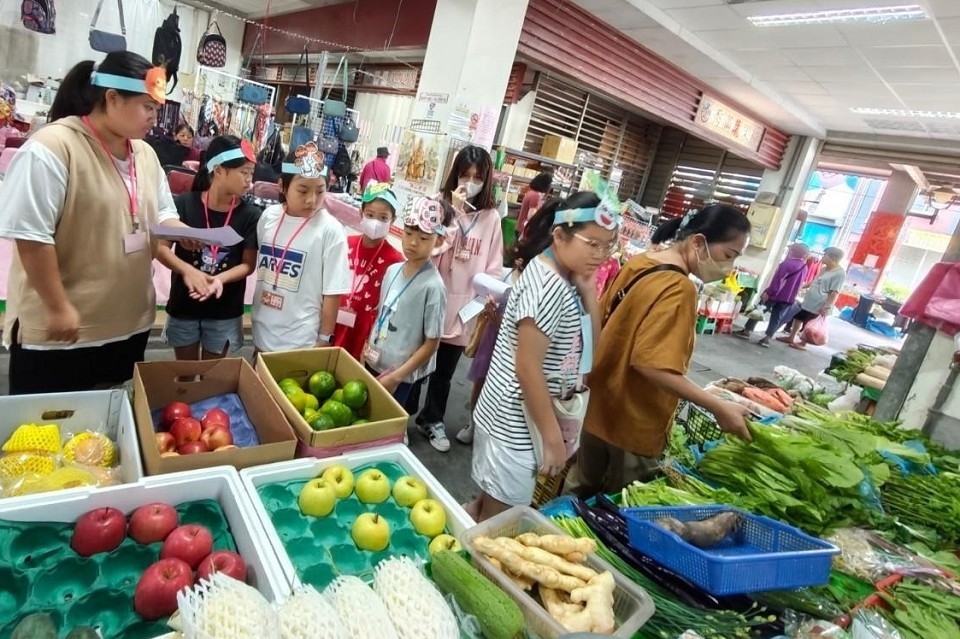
104	41
297	105
212	50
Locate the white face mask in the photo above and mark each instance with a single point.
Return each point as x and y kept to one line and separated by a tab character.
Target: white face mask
472	187
374	228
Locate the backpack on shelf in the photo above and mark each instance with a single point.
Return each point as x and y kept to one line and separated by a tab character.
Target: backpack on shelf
167	48
39	15
212	50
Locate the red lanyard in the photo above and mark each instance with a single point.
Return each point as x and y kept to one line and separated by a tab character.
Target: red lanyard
205	198
366	271
283	256
131	189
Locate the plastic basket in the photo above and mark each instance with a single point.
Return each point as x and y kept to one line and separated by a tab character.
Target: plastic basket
762	555
699	425
548	487
632	605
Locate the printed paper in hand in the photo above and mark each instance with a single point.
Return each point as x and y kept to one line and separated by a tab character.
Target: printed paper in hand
486	285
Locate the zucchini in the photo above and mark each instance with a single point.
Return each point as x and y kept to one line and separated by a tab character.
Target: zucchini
39	625
878	371
869	381
499	616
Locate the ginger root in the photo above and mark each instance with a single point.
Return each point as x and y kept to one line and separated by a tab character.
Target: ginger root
518	565
524	583
597	612
558	603
559	544
545	558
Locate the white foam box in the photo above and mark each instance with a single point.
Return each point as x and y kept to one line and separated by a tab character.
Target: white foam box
108	411
458	521
220	483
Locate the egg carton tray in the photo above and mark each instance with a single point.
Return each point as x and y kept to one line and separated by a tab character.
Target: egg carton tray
315	550
39	572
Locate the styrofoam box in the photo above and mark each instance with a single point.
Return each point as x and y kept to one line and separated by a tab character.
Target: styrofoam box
458	521
78	412
631	603
221	483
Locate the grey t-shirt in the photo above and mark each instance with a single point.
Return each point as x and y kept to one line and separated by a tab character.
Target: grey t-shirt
825	283
411	312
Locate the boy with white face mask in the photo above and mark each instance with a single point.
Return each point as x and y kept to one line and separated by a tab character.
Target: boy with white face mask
370	255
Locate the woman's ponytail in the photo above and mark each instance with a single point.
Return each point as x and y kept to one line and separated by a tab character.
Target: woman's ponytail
76	96
666	231
716	222
203	180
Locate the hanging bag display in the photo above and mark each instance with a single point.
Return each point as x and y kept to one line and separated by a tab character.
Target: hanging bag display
39	15
104	41
250	93
212	50
167	48
348	131
295	104
337	108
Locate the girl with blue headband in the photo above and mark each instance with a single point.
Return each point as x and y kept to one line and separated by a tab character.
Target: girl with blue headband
207	286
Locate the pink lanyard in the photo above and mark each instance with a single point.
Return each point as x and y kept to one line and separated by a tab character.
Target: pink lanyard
366	271
132	188
283	256
205	198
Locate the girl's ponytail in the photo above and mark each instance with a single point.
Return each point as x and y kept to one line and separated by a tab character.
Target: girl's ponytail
76	96
203	180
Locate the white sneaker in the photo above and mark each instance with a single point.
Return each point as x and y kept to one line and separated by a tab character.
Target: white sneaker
465	436
437	434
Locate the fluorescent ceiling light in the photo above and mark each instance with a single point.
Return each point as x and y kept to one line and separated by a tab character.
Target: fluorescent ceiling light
906	113
833	16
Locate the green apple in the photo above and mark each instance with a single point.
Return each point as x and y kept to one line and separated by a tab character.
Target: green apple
373	487
409	490
371	532
317	498
428	517
341	478
444	542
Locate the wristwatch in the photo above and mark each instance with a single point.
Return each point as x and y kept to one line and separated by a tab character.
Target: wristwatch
326	339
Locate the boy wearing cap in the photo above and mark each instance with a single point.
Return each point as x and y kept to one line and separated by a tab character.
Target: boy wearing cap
402	346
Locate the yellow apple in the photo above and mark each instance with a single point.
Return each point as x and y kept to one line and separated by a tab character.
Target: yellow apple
428	517
371	532
317	498
341	478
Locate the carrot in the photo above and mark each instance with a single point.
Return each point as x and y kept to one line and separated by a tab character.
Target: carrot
781	396
765	399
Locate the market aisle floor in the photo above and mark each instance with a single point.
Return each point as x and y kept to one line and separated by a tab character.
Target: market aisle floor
715	356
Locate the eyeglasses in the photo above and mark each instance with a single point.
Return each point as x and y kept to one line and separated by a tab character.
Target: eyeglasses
604	248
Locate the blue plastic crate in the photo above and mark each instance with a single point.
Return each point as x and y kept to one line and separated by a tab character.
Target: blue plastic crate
763	554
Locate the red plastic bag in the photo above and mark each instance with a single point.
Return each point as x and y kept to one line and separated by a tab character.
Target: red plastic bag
815	332
936	302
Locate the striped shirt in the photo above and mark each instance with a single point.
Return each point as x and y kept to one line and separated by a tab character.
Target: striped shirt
542	295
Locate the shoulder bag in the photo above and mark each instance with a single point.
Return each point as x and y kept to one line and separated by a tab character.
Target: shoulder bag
250	93
212	50
104	41
295	104
337	108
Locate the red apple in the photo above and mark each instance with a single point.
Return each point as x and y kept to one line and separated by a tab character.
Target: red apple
152	523
165	442
225	561
156	592
99	530
172	412
190	543
192	448
216	437
184	430
215	417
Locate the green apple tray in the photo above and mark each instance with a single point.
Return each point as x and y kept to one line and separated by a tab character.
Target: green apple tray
40	572
316	550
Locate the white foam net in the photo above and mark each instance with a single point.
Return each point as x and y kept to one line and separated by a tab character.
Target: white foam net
416	607
224	608
309	615
361	611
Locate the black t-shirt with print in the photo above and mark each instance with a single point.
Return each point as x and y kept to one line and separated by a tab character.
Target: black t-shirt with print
244	222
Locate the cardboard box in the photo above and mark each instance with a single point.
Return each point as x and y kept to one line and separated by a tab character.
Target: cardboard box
156	384
387	417
559	148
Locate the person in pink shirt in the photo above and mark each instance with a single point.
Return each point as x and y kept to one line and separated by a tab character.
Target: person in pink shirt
533	199
376	170
474	245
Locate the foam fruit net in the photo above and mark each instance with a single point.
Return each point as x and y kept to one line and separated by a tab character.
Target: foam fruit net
223	607
308	615
416	607
360	609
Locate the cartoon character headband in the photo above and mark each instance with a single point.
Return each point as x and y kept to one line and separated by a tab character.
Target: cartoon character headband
425	214
309	162
154	84
244	151
381	191
607	214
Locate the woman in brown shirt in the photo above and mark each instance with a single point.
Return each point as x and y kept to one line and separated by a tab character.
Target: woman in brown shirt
645	347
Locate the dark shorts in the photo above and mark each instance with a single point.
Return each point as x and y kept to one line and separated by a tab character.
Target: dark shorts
805	316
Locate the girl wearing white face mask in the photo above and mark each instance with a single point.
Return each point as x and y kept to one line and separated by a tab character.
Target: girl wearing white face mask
639	371
474	244
370	254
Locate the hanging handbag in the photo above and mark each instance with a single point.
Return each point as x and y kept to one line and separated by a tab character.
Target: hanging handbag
212	50
297	105
329	146
104	41
570	410
337	108
250	93
300	135
348	131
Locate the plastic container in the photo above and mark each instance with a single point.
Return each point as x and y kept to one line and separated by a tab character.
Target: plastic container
298	541
99	589
763	554
631	603
108	410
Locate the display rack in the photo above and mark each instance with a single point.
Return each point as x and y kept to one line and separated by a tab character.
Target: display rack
225	86
526	166
215	96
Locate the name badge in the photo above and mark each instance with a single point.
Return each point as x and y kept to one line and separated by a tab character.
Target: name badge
463	255
134	242
373	357
272	300
346	317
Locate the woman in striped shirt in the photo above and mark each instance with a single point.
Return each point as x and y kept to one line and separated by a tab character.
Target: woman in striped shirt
553	307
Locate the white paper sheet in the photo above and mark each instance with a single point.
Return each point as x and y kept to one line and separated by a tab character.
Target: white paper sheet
486	285
472	308
221	236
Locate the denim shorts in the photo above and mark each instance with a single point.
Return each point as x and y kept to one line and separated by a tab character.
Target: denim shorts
213	335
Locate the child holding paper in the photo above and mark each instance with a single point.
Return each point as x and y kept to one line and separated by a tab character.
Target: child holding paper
402	349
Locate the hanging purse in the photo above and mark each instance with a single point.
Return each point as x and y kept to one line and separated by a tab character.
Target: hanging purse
297	105
249	92
329	146
337	108
212	50
104	41
348	131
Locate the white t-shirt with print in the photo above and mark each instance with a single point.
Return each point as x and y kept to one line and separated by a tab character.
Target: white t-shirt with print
288	300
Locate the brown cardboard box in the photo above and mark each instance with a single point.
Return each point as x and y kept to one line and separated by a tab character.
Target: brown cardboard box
559	148
156	384
387	417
